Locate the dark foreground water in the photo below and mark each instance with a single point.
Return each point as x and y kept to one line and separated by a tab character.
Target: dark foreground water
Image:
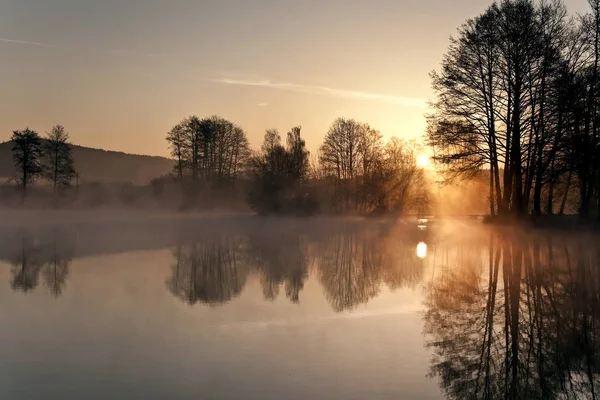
242	308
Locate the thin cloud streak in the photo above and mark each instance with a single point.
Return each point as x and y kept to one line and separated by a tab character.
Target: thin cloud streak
327	91
25	42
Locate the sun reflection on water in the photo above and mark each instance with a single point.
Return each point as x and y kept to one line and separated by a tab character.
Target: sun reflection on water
422	250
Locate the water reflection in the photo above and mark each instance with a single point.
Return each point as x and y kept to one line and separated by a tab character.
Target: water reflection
422	250
31	257
351	262
281	258
352	265
208	270
521	321
506	315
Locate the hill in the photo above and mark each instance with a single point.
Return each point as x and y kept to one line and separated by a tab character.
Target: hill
101	165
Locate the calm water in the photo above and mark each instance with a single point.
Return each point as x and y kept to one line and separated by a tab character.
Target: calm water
286	309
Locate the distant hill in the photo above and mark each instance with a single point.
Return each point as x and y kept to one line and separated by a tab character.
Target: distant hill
101	165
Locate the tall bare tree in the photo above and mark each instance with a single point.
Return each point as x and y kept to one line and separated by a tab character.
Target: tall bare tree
209	152
179	151
349	150
57	162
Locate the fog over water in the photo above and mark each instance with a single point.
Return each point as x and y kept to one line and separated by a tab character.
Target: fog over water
133	306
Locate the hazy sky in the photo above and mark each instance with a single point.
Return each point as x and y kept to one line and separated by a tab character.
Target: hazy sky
120	73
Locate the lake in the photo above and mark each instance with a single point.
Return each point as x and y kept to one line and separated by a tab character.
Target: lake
250	308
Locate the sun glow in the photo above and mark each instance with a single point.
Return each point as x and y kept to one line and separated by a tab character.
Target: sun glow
422	250
422	161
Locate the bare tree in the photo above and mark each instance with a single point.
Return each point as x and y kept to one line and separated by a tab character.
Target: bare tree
390	185
57	164
177	146
349	150
209	153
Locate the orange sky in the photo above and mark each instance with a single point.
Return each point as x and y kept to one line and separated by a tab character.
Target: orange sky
120	73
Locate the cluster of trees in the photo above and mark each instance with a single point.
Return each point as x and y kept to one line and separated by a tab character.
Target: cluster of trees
518	93
279	175
50	158
366	174
208	151
355	171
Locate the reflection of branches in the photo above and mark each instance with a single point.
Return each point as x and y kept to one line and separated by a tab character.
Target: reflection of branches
354	263
280	259
526	328
32	258
402	267
56	271
208	271
25	269
350	271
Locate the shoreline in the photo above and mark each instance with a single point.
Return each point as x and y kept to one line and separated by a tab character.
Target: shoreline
569	222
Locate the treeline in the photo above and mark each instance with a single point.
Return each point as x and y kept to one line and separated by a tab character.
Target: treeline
517	93
354	171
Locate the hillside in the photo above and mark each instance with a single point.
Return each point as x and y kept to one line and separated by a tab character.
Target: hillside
101	165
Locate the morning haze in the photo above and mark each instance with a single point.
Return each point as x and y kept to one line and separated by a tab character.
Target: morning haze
299	199
119	74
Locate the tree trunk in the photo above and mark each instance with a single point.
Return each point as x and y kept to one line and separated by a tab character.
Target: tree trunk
492	211
566	195
549	207
537	195
517	178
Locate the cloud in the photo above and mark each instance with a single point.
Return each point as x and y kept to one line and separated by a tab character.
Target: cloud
326	91
262	104
25	42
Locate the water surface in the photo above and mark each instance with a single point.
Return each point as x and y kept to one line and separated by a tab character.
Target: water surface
242	308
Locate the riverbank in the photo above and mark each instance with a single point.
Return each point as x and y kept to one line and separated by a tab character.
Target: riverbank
555	222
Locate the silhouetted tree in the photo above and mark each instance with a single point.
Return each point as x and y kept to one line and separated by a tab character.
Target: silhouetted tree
517	93
57	163
26	150
278	174
348	153
179	150
391	184
210	151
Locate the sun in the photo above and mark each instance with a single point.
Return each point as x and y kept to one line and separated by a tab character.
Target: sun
422	161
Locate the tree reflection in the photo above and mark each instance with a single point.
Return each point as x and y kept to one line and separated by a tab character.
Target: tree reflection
26	264
350	271
354	264
208	270
280	259
522	322
351	262
35	254
56	268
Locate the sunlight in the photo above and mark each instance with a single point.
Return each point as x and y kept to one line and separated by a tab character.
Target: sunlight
422	161
422	250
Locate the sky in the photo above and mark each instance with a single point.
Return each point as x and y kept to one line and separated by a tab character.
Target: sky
118	74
